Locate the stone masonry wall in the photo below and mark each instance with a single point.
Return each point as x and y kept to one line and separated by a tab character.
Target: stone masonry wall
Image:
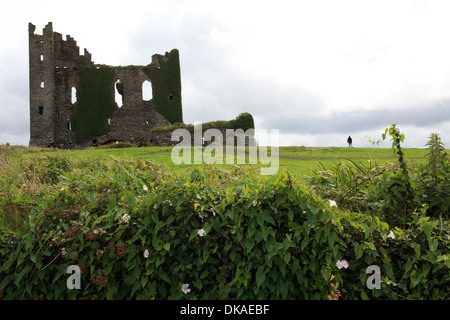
163	138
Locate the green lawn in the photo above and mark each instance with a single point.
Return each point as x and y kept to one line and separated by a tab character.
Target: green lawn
298	160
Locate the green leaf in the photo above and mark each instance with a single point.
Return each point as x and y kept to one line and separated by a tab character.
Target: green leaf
268	217
204	274
136	286
364	296
163	275
408	267
260	276
73	255
358	250
325	273
287	257
18	276
260	219
111	290
284	289
304	243
91	197
433	244
144	281
427	229
155	243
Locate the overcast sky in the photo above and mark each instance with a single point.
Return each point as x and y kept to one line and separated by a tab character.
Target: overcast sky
317	71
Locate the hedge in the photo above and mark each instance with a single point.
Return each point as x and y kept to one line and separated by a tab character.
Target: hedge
140	231
243	121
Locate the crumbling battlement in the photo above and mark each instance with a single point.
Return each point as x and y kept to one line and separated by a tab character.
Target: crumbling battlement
72	100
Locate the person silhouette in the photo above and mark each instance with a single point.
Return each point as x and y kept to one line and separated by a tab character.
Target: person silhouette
349	141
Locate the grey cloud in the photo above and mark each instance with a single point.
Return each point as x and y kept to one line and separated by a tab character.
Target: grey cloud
14	118
432	114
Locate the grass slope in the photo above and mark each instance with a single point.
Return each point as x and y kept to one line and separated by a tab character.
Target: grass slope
298	160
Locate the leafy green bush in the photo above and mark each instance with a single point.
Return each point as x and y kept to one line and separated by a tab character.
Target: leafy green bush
139	231
435	178
243	121
392	191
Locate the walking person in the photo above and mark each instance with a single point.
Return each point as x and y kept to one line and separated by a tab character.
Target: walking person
349	141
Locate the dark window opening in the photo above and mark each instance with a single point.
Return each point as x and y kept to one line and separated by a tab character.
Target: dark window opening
41	110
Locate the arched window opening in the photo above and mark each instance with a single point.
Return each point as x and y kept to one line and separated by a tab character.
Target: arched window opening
118	90
147	92
74	95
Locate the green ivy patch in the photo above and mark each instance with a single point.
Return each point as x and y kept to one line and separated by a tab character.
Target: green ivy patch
166	84
95	102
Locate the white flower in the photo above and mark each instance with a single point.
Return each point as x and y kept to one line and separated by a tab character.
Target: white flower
146	254
99	231
185	289
201	232
391	235
333	203
145	187
125	218
63	251
342	264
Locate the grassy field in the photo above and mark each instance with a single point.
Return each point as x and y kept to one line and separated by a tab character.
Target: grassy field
298	160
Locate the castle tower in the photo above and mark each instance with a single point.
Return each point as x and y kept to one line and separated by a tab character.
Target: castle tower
42	87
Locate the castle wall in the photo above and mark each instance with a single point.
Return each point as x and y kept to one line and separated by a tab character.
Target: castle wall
42	87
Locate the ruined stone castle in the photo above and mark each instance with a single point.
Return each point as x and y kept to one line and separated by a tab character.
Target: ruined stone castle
75	103
72	100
